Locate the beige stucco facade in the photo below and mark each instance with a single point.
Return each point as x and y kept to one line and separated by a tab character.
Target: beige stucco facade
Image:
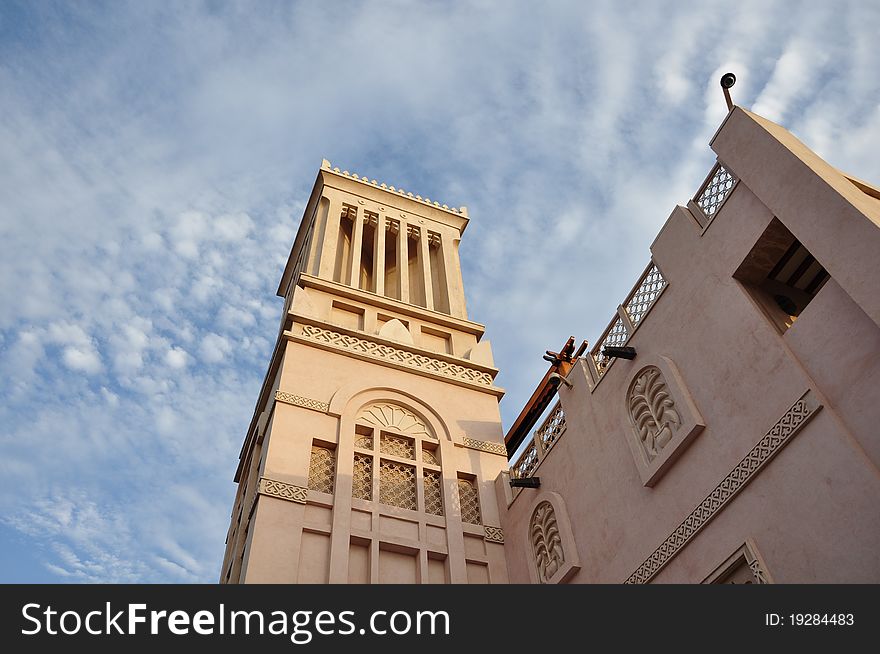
740	444
377	438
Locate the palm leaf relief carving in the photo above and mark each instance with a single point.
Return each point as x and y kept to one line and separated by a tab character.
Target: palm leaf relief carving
652	411
546	542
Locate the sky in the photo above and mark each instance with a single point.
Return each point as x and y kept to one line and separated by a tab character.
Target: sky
156	159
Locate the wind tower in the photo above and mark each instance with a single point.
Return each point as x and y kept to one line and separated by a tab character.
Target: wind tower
376	439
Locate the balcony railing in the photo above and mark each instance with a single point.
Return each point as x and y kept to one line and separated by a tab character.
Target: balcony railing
543	440
713	192
629	314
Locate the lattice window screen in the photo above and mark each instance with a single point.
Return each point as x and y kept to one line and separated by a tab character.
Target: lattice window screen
397	485
470	502
364	441
322	469
397	446
362	478
433	494
430	456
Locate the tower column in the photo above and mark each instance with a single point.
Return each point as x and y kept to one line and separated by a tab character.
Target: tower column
341	534
356	248
454	280
330	242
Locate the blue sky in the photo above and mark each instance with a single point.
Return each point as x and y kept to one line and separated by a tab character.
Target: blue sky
156	159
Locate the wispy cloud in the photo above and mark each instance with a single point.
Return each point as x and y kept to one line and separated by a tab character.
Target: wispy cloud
154	178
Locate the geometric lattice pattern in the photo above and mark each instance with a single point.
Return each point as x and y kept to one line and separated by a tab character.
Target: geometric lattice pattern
397	446
397	485
430	457
552	428
304	402
363	441
643	297
715	190
494	534
469	501
772	442
527	462
362	477
635	307
615	337
322	470
485	446
433	496
281	490
376	350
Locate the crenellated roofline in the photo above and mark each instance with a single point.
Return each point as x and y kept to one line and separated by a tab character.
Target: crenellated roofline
460	211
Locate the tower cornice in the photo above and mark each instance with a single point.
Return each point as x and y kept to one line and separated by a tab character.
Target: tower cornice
397	192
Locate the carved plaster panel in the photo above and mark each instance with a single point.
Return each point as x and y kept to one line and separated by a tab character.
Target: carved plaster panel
662	415
550	541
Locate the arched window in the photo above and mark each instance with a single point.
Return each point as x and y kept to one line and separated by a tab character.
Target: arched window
397	459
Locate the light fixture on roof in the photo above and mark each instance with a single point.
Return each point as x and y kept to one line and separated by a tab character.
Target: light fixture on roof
727	82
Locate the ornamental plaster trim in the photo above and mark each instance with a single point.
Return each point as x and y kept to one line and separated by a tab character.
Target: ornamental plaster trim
283	490
662	415
549	540
304	402
777	437
746	555
374	350
494	534
484	446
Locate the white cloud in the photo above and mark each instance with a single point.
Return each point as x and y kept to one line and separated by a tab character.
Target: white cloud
83	359
794	77
232	227
214	348
189	232
176	358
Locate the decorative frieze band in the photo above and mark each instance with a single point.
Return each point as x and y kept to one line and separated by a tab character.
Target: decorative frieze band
397	355
773	441
304	402
283	490
485	446
494	534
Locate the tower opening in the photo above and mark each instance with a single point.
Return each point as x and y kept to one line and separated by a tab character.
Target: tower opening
392	272
368	247
438	273
342	269
414	262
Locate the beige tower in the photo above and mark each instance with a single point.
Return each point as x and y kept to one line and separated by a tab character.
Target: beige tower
376	439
